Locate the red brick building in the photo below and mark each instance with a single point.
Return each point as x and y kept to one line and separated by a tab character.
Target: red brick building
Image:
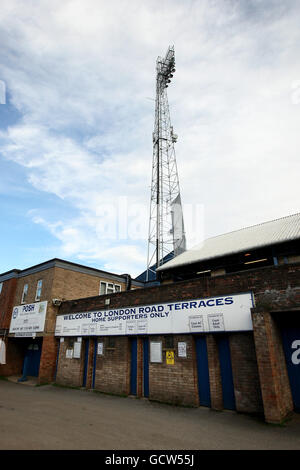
29	302
222	330
8	284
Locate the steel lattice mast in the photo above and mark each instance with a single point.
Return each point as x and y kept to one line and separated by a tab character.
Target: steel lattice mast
166	228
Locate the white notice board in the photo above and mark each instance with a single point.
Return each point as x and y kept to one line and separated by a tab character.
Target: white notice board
155	351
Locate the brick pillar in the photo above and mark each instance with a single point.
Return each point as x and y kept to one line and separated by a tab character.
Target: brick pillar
274	381
139	391
215	381
48	359
90	365
245	373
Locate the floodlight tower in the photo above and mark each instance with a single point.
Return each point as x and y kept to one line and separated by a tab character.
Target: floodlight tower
166	228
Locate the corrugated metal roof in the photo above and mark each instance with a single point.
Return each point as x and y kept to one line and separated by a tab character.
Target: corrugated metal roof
268	233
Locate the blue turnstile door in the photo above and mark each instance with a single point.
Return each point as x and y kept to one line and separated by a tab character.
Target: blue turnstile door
146	367
133	368
86	362
202	371
226	372
291	347
32	359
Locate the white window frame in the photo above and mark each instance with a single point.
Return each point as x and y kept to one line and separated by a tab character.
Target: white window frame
100	285
24	294
1	286
110	287
39	288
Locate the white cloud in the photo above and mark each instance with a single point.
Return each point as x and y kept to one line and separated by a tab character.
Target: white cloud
82	73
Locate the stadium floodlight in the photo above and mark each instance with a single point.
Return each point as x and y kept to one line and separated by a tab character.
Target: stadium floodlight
166	228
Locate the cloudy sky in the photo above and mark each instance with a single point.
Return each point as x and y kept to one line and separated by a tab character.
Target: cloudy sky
77	84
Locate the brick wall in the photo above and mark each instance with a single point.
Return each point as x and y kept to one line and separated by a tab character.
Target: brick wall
47	277
215	381
245	373
274	382
174	383
31	280
112	372
258	364
57	283
7	301
48	359
273	286
68	284
70	371
15	351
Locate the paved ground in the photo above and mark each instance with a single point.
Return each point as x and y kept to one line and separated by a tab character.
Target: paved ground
55	418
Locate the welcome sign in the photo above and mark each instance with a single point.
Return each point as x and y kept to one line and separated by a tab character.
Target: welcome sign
226	313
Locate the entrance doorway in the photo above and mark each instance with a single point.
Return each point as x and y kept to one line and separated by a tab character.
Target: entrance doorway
290	330
226	372
31	363
146	367
133	366
202	371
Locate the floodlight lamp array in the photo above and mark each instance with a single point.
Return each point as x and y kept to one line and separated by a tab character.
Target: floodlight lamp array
166	68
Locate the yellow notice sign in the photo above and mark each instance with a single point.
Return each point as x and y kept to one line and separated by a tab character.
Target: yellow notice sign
170	357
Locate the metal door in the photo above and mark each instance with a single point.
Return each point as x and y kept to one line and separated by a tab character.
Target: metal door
226	372
86	362
133	368
32	358
291	347
94	362
202	371
146	366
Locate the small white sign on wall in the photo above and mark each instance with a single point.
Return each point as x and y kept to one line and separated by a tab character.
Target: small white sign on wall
77	350
216	322
196	323
181	349
100	349
69	353
155	351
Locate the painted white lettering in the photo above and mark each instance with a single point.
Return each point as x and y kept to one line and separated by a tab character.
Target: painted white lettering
296	354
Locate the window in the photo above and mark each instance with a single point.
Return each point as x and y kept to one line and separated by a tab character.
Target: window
1	285
25	292
169	342
109	288
102	288
39	290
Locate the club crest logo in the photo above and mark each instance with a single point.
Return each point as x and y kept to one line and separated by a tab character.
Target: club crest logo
15	313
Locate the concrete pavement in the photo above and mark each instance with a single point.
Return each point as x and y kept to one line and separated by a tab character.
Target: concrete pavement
54	418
